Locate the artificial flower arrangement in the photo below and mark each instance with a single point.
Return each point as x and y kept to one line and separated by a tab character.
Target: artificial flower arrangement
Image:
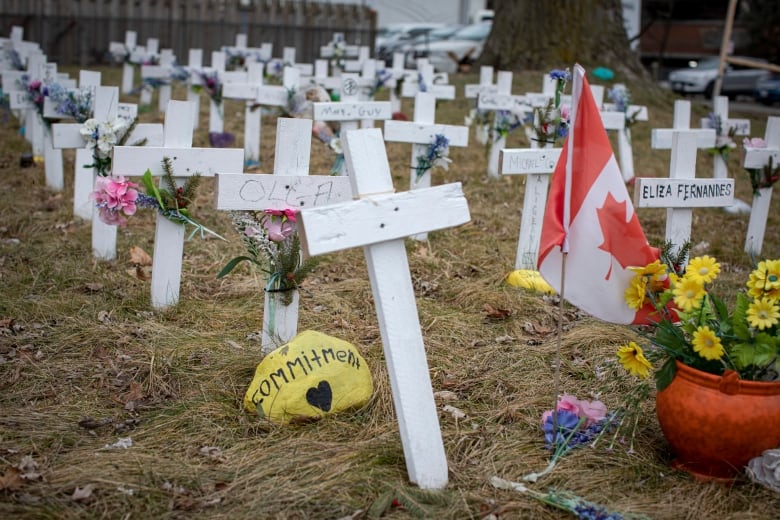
100	137
621	97
36	91
691	325
504	122
764	177
436	155
381	78
273	244
551	122
724	140
211	85
117	198
481	120
339	49
75	103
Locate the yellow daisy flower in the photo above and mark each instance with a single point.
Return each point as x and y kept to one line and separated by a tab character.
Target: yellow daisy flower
635	293
703	268
633	360
707	343
688	293
763	314
764	281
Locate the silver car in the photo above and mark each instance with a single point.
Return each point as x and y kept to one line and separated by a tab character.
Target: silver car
700	79
454	53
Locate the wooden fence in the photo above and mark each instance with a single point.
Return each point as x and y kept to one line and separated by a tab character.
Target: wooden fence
78	32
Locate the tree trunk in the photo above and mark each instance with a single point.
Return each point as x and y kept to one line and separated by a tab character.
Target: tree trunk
553	34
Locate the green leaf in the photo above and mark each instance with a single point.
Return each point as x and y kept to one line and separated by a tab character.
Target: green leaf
151	189
232	265
664	376
739	320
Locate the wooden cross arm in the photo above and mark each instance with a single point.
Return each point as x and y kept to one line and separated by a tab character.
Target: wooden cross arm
650	192
134	161
243	191
381	218
346	111
421	133
661	138
759	157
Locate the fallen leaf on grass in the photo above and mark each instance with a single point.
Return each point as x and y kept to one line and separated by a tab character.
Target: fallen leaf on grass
143	273
11	480
493	313
502	340
446	395
212	452
139	257
123	442
82	493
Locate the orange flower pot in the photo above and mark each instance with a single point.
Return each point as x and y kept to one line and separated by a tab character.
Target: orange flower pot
716	424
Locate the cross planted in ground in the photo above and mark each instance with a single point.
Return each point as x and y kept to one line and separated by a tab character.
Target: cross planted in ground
760	158
186	161
290	186
378	221
681	191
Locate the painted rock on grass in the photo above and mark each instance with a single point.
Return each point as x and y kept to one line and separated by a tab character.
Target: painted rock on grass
311	376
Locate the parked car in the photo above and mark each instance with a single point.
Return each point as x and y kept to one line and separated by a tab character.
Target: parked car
700	78
392	36
434	35
450	55
768	90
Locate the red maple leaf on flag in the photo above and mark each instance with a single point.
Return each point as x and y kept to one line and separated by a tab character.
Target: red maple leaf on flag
624	240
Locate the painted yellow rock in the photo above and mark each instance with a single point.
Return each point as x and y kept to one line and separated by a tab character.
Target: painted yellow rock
311	376
529	279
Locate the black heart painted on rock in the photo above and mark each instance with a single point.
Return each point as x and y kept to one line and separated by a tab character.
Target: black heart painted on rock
320	397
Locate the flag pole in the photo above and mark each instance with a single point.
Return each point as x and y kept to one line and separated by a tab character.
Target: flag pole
576	92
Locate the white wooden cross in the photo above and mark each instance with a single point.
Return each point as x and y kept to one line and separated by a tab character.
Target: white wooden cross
421	132
426	80
258	95
161	72
472	91
501	101
142	55
741	127
39	130
290	186
762	198
126	49
68	135
186	161
194	66
537	164
661	138
321	77
625	150
337	51
350	110
216	110
682	192
379	221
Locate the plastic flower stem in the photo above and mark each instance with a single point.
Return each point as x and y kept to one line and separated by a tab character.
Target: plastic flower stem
560	450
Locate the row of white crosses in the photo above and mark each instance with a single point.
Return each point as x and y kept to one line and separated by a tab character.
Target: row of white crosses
625	149
136	54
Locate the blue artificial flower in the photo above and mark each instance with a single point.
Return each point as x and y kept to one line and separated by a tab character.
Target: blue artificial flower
560	75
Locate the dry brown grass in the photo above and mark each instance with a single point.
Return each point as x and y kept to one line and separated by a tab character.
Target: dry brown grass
80	342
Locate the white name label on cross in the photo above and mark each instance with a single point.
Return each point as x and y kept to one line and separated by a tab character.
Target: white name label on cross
186	161
759	212
679	213
537	164
378	222
289	187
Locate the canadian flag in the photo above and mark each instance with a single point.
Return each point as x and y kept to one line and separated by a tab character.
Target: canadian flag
590	220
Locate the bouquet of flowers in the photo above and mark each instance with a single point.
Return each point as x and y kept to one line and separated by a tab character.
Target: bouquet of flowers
102	136
272	243
621	97
211	85
36	92
381	79
692	325
764	177
116	198
437	154
77	103
504	122
551	122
